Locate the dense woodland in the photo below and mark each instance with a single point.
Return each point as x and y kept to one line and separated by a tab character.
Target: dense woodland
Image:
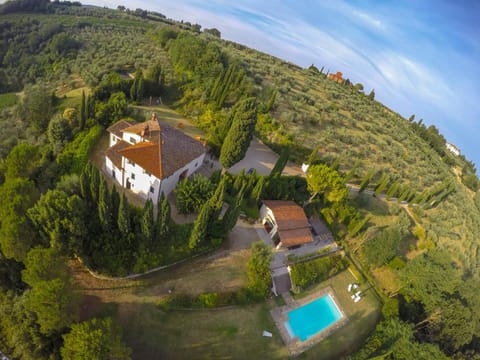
56	206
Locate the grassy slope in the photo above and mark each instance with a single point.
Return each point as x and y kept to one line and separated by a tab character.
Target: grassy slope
343	122
346	124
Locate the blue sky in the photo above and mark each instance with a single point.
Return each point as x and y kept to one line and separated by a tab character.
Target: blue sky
421	56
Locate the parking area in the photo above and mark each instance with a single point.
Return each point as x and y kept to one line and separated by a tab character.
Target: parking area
261	158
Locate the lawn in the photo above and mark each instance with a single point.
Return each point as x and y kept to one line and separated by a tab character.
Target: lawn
170	117
231	333
363	316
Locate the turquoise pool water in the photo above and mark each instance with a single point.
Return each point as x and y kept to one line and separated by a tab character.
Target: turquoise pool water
313	317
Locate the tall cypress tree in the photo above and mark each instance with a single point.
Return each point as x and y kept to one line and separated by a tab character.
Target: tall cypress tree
104	206
94	183
240	133
163	218
200	226
258	189
85	183
115	196
133	90
233	212
140	89
216	201
83	111
123	220
147	224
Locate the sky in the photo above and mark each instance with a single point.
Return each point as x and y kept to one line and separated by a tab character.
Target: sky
421	57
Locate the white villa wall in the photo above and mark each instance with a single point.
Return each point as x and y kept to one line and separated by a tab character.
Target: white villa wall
170	183
113	139
132	138
140	180
267	213
113	171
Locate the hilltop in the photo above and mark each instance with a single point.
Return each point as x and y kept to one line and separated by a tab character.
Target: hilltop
69	71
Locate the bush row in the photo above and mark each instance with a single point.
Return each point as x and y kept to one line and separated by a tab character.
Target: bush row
305	274
208	300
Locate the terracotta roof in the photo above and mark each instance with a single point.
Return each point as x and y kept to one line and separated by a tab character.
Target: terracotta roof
116	129
113	153
293	225
165	150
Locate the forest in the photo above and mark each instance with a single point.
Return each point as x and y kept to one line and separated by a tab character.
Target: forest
69	71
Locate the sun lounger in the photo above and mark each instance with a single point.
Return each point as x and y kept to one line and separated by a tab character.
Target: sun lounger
357	299
349	287
267	333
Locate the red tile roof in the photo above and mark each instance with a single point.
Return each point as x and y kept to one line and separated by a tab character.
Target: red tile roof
292	223
113	153
116	129
164	149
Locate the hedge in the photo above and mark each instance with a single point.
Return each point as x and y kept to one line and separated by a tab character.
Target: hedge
305	274
74	156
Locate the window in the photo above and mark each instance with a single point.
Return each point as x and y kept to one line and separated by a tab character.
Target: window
130	163
196	164
152	189
146	172
132	140
133	176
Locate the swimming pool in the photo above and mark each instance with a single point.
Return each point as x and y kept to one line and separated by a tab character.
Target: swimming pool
311	318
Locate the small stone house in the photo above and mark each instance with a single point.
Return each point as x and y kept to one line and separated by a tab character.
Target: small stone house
286	223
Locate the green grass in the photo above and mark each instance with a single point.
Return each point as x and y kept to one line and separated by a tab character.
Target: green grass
7	100
234	333
363	316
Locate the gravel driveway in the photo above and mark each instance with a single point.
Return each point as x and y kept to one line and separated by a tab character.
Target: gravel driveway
261	158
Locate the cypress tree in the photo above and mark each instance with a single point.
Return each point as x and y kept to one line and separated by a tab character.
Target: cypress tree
94	183
281	162
123	220
216	201
133	90
271	100
371	96
147	224
85	183
140	89
83	111
313	157
258	189
104	206
163	218
200	226
233	212
216	86
239	181
240	133
366	179
382	184
392	191
115	196
90	107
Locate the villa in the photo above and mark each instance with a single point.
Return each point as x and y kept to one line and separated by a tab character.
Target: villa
151	157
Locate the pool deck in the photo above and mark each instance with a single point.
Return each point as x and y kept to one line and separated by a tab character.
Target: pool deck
280	316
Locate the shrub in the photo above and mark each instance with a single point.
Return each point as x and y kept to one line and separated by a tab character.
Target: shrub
74	156
193	193
308	273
